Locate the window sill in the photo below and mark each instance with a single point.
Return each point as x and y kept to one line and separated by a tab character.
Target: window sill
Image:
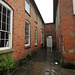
36	45
27	47
28	13
6	51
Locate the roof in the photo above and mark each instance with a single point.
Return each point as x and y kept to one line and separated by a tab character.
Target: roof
37	10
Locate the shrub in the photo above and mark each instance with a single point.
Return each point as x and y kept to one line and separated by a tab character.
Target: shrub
6	62
50	73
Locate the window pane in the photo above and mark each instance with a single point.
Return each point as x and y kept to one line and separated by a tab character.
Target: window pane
4	10
8	20
26	33
35	35
3	26
27	1
35	40
7	36
1	43
8	28
41	37
8	13
27	6
2	35
26	40
26	28
4	18
6	43
0	25
0	7
0	17
26	24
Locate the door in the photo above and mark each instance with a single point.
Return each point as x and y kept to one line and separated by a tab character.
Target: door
49	41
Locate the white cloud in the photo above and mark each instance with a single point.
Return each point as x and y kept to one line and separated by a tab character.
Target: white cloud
46	9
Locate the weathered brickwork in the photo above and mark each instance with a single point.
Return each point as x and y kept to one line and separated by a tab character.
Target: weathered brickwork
19	17
62	31
49	30
65	30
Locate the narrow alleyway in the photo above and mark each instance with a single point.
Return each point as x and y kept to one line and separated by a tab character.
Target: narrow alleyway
45	63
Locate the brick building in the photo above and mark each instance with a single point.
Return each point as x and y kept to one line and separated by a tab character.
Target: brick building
21	27
49	30
64	19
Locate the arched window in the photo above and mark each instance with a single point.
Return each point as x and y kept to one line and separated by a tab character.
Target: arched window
6	17
35	36
27	33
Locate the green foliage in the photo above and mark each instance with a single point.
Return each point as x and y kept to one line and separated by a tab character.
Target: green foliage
6	62
50	73
23	58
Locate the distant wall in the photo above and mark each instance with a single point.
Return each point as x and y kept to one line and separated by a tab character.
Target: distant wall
49	30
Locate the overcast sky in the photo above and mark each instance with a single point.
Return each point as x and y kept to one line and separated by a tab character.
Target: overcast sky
46	9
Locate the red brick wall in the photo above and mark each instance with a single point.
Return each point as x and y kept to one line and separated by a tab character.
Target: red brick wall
19	28
49	30
66	30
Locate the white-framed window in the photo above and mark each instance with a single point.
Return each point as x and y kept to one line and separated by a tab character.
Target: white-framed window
42	25
6	19
27	6
27	33
74	7
36	17
35	36
41	37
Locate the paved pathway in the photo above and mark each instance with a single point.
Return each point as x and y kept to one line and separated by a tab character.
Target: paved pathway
44	64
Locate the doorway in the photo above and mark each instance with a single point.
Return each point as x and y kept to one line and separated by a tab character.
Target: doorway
49	41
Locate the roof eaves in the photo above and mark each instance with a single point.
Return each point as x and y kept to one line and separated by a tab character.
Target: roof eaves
38	11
